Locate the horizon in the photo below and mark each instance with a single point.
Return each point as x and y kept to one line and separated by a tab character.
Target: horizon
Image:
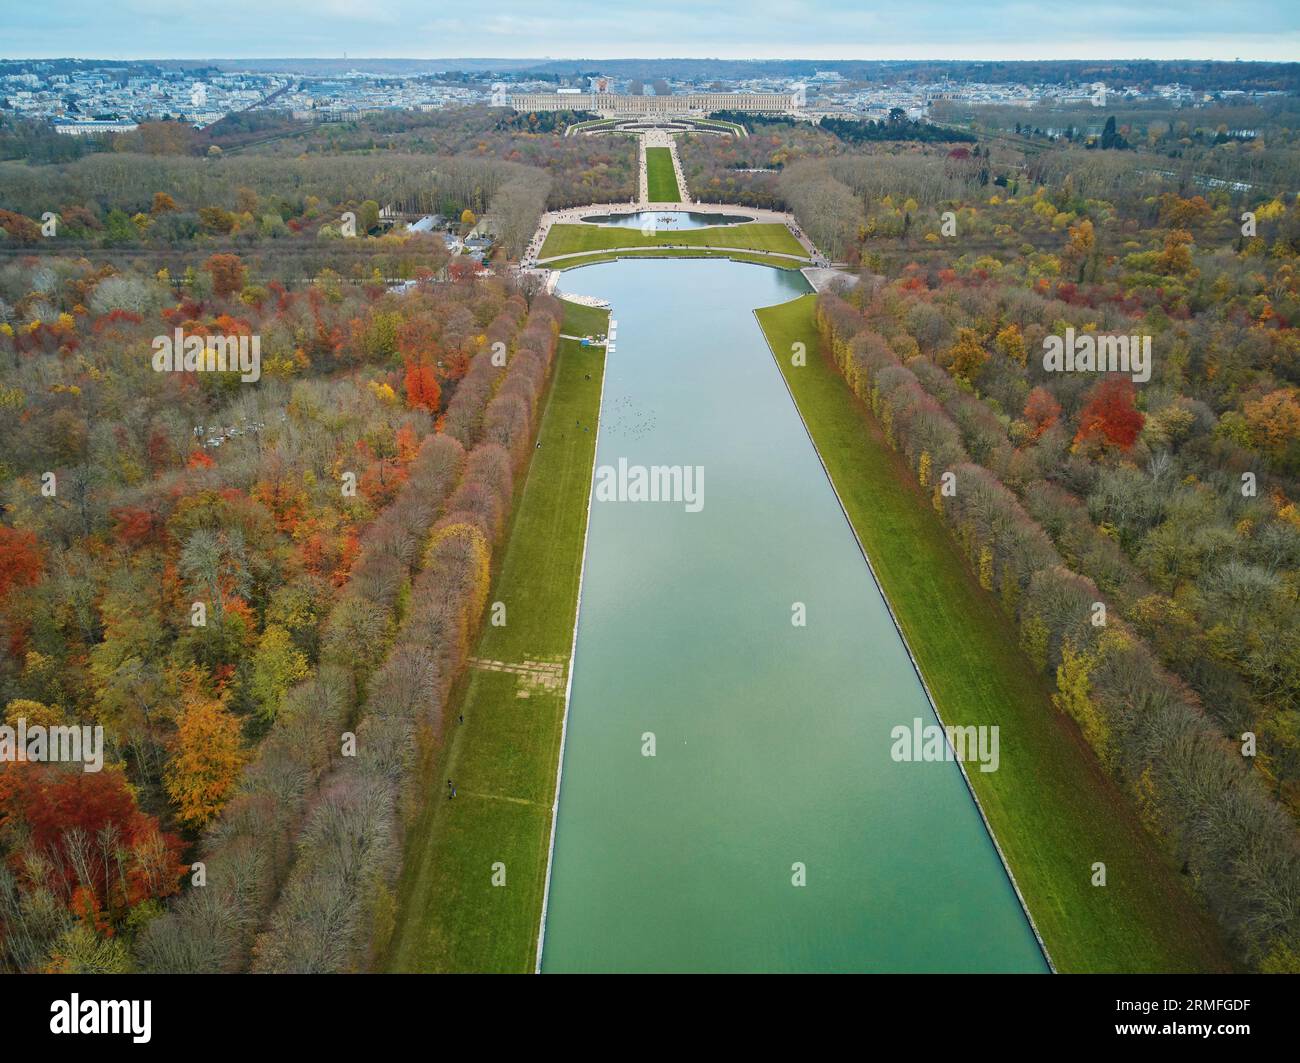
140	30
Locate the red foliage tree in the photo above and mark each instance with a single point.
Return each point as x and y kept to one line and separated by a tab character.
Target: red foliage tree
408	444
422	389
1042	411
70	815
463	268
20	559
380	481
134	525
20	228
227	275
1111	414
417	337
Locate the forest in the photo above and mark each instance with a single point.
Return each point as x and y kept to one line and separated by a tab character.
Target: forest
1143	536
580	169
227	579
274	205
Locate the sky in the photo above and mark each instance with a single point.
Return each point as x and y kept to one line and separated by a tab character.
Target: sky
611	29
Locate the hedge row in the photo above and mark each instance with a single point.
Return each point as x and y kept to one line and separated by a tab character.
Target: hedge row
336	912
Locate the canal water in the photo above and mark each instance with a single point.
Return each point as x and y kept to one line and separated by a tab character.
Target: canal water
772	741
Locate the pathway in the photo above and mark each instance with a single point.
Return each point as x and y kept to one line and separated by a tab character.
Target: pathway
658	138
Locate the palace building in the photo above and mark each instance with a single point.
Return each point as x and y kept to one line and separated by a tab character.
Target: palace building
610	103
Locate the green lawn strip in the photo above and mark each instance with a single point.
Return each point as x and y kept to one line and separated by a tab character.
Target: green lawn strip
569	239
711	124
661	180
595	123
582	320
503	758
756	257
1052	807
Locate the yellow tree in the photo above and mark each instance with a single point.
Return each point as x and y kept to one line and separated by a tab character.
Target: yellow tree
1176	258
1083	239
1074	696
1011	342
207	760
1274	420
1081	247
277	665
967	356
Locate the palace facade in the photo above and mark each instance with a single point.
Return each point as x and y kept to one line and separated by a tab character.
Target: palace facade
610	103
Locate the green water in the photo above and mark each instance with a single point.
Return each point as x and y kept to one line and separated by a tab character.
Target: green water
772	741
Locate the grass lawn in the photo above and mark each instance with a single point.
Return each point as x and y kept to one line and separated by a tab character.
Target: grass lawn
580	320
750	236
661	181
503	758
730	127
595	123
1054	810
757	257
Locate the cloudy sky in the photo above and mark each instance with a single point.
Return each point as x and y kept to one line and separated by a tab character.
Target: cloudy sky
812	29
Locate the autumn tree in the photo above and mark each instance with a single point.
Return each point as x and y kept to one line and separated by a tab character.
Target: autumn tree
19	228
1042	411
1111	414
81	950
1011	343
208	758
1082	246
227	273
1273	422
161	138
217	220
99	848
216	564
1176	258
20	559
422	389
1181	213
967	356
462	268
277	665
